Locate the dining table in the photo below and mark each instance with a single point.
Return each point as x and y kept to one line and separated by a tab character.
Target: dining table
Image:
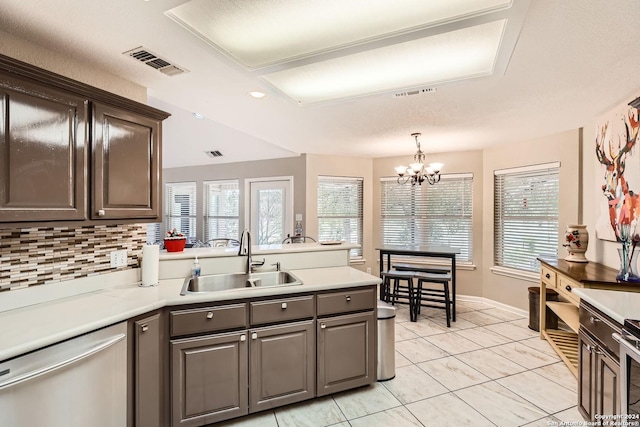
445	252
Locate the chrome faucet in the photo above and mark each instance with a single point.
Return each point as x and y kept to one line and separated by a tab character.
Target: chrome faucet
245	250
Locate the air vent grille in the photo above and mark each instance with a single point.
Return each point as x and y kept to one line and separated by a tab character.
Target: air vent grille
214	153
154	61
414	92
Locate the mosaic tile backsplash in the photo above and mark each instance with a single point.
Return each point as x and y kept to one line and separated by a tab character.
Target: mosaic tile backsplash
35	256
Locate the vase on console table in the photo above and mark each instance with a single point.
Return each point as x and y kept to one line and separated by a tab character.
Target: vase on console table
628	261
576	241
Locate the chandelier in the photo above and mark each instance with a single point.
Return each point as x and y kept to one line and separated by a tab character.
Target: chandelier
416	172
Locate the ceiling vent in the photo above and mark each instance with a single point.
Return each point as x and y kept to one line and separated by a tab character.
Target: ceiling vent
154	61
214	153
414	92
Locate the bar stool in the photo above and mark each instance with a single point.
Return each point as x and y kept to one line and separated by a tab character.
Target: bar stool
399	291
430	296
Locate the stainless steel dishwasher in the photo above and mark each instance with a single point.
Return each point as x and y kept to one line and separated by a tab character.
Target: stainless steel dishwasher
76	383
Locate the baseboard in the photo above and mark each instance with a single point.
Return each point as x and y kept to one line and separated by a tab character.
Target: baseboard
496	304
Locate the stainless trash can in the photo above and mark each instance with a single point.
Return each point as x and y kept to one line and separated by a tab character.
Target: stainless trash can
386	341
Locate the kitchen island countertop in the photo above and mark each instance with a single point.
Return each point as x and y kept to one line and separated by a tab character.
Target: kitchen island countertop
618	305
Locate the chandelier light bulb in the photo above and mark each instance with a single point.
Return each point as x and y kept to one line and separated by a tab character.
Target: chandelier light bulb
416	173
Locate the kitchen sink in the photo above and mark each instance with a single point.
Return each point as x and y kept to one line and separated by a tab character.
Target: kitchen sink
226	282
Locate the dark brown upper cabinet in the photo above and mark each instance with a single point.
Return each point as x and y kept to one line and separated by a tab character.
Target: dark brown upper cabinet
43	152
72	154
126	164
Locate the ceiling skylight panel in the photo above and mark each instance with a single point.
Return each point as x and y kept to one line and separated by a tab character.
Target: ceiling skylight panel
259	33
466	53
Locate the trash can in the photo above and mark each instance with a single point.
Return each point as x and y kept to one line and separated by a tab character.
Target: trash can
534	309
386	341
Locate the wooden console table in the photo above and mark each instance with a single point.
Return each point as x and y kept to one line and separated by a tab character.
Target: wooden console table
562	276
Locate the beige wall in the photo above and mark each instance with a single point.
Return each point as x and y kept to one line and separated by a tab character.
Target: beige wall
292	166
342	166
30	53
562	147
469	280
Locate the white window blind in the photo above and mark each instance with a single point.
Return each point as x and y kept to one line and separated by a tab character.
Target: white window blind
526	216
153	233
180	207
221	210
340	210
429	215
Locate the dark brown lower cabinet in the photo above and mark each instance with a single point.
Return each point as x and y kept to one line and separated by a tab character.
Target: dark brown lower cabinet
282	365
346	352
148	371
209	379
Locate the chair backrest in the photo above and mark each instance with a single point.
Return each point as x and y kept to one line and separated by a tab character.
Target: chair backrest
222	243
298	239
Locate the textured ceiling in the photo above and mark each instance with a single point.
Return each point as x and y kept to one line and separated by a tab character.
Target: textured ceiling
574	60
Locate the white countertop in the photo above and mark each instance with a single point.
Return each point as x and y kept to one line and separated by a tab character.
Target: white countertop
616	304
47	322
256	250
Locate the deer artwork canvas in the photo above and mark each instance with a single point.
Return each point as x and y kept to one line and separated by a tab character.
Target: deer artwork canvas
616	148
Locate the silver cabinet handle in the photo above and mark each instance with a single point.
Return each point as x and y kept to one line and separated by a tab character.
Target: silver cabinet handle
348	298
323	326
101	212
144	328
284	306
243	338
210	315
254	336
58	365
594	319
594	349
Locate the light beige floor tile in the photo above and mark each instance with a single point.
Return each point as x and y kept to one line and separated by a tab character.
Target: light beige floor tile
453	343
452	373
490	364
419	350
261	419
318	412
571	415
366	400
502	314
401	360
544	422
559	373
501	406
402	314
412	384
540	345
342	424
524	355
447	410
397	417
459	324
483	337
543	393
402	333
524	324
512	331
480	318
425	327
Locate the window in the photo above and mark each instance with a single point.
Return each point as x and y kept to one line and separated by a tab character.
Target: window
153	233
221	210
270	203
429	215
340	210
180	208
526	215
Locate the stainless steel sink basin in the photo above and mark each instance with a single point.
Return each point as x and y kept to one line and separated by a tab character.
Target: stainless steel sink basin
225	282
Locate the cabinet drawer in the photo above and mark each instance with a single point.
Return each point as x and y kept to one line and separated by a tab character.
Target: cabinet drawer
600	327
548	276
346	301
208	319
564	288
281	310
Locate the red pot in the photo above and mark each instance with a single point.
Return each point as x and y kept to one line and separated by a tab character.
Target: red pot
175	245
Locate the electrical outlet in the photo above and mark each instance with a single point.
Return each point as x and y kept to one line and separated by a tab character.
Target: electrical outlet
368	270
119	258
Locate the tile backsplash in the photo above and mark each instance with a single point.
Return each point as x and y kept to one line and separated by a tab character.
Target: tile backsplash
35	256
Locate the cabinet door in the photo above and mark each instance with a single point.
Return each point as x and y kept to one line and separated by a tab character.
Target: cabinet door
607	388
208	379
126	164
282	365
148	371
586	380
346	352
43	134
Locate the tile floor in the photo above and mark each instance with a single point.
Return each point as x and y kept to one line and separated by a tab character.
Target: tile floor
488	369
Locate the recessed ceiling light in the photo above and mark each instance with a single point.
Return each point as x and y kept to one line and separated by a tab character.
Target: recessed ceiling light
198	116
257	94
